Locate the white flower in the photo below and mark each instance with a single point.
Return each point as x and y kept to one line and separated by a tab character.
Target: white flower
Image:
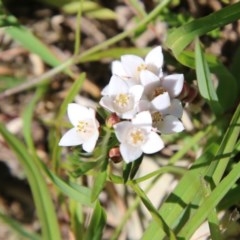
161	91
165	121
85	128
121	98
134	69
136	137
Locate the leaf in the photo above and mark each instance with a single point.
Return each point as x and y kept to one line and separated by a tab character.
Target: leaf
211	165
226	79
205	82
210	203
41	195
182	36
98	221
102	14
126	171
98	185
79	193
33	44
18	228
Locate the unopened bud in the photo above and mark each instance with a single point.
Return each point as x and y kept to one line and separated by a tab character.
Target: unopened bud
112	119
189	93
115	155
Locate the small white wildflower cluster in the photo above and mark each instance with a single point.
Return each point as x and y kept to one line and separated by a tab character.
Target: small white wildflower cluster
143	98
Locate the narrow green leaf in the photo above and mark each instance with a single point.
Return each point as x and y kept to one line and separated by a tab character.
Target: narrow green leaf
212	219
102	14
18	228
173	209
182	36
27	119
79	193
205	82
161	223
98	221
210	165
84	167
211	202
126	171
99	184
226	80
41	195
33	44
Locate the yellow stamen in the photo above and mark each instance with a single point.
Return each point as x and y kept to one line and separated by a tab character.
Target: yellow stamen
82	126
137	137
141	67
122	100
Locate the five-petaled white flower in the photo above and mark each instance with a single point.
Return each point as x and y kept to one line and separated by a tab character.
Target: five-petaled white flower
161	91
165	121
134	69
85	128
120	98
136	137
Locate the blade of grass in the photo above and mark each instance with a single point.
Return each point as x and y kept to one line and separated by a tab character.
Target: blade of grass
18	228
98	221
183	35
185	196
79	193
41	195
205	83
173	208
213	221
211	202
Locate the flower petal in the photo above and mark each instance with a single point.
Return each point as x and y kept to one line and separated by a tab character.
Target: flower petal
77	112
143	119
128	115
155	57
136	91
173	84
154	143
147	77
129	153
117	69
117	85
90	144
71	138
161	102
175	109
121	130
144	105
105	91
171	124
106	102
131	63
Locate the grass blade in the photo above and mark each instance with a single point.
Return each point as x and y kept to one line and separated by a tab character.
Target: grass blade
183	35
41	195
205	83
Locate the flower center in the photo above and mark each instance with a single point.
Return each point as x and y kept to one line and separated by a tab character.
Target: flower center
122	100
86	129
141	67
82	126
157	119
137	137
158	91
